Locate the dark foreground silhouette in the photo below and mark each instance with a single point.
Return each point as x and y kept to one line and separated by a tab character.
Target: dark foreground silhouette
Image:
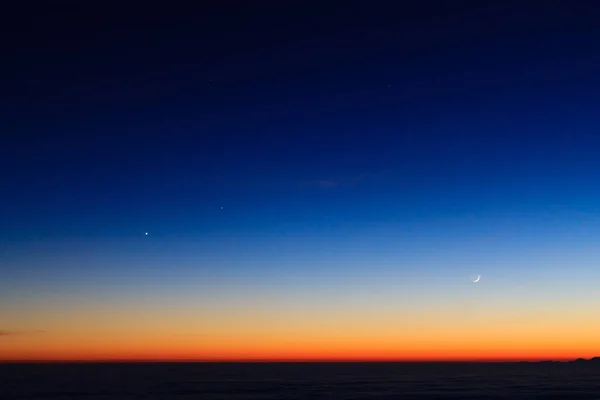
579	379
595	360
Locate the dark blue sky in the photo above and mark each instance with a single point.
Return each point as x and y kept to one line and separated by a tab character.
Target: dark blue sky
121	121
323	176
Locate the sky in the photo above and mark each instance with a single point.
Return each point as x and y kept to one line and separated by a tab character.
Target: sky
300	181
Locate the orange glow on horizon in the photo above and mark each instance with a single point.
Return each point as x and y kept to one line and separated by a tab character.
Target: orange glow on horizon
283	351
489	331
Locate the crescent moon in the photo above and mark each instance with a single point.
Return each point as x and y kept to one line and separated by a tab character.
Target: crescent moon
477	279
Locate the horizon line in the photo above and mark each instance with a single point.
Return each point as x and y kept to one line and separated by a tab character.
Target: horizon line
286	361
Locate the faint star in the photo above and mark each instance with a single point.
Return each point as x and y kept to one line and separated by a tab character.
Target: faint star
146	233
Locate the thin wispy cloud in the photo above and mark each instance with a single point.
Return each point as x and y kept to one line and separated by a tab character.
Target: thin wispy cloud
4	333
330	183
324	183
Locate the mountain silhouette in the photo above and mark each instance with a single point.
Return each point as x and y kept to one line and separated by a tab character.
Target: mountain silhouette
595	360
579	361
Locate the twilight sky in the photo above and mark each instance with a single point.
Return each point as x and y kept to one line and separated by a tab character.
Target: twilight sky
316	182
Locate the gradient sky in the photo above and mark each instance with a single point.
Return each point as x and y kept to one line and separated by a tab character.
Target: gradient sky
316	182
